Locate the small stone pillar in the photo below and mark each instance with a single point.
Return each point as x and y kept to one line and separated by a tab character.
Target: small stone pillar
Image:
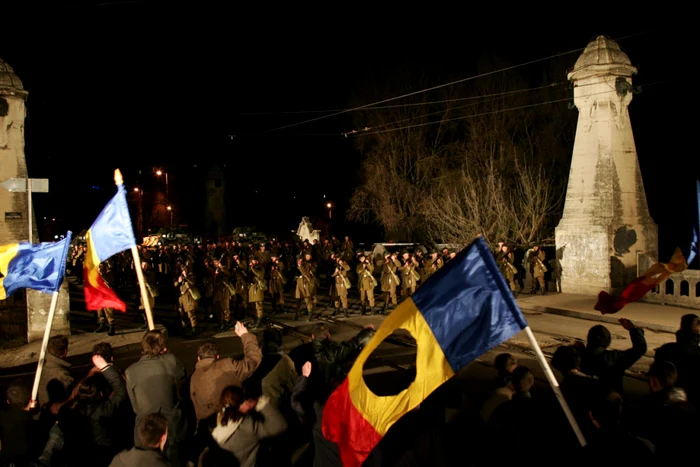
14	226
606	219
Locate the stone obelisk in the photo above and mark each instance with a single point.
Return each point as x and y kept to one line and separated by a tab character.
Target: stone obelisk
606	218
14	226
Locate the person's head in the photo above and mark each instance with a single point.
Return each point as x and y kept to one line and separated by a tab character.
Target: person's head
18	395
606	410
235	405
598	337
662	375
690	324
320	331
566	359
505	364
58	346
153	431
522	379
104	350
89	390
208	349
153	344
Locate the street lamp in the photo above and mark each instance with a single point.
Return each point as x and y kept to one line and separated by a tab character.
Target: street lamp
330	209
136	189
159	173
169	208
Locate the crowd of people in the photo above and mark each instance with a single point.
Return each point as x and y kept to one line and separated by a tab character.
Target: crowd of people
265	408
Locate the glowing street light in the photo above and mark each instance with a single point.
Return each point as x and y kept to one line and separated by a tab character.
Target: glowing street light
170	208
330	209
136	189
159	173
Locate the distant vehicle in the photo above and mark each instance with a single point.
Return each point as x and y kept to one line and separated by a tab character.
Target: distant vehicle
248	234
380	249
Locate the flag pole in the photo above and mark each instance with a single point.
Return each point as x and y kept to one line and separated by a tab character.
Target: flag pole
137	266
555	385
44	346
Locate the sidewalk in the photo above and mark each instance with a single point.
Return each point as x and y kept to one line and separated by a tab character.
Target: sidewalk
659	318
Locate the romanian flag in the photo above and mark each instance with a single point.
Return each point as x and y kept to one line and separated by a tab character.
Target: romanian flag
40	267
463	310
111	233
658	273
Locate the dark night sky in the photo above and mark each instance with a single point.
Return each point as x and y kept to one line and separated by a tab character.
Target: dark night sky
145	84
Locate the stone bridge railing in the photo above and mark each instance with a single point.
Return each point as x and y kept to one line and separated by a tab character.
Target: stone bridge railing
680	289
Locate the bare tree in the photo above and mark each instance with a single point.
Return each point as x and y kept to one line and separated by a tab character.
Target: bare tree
493	166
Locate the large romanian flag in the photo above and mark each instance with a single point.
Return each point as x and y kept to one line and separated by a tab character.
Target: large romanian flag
111	233
39	267
463	310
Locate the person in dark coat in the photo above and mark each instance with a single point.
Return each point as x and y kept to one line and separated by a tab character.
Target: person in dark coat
18	430
56	380
153	435
152	384
610	365
685	355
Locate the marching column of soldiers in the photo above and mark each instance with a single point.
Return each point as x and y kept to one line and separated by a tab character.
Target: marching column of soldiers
225	281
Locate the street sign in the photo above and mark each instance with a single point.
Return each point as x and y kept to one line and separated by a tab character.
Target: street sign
19	185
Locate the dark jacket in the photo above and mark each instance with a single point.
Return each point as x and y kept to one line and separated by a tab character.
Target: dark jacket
56	381
102	415
19	437
610	365
332	357
139	457
152	384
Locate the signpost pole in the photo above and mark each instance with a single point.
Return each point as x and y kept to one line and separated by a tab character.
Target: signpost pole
29	207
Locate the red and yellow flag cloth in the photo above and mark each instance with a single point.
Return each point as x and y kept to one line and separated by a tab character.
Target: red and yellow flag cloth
658	272
111	233
656	275
463	310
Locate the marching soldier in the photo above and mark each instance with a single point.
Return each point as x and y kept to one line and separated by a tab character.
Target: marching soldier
313	270
339	290
106	314
256	290
431	264
390	280
409	276
366	283
240	294
505	260
223	290
187	302
277	283
304	288
537	269
263	256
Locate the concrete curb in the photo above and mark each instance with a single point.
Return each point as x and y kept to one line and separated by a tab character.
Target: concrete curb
597	318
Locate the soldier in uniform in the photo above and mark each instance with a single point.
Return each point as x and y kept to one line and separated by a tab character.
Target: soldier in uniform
149	277
256	290
277	283
505	260
390	280
431	264
263	256
409	276
339	290
305	287
222	294
313	271
240	296
537	269
187	302
366	283
106	314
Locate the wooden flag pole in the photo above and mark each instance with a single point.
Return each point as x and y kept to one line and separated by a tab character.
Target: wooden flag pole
44	346
137	266
555	385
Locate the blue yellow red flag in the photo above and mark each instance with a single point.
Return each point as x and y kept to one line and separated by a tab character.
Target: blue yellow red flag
111	233
39	267
463	310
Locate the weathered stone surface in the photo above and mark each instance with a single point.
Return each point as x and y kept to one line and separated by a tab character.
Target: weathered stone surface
606	219
14	225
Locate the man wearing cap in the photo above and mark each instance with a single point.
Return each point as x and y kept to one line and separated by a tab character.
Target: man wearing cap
390	280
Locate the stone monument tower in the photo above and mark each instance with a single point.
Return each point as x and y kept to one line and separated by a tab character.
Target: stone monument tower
215	214
14	226
606	219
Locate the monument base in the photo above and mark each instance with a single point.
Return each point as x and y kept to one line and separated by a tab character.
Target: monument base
38	305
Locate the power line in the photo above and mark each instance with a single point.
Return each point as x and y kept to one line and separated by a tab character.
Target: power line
561	54
492	112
